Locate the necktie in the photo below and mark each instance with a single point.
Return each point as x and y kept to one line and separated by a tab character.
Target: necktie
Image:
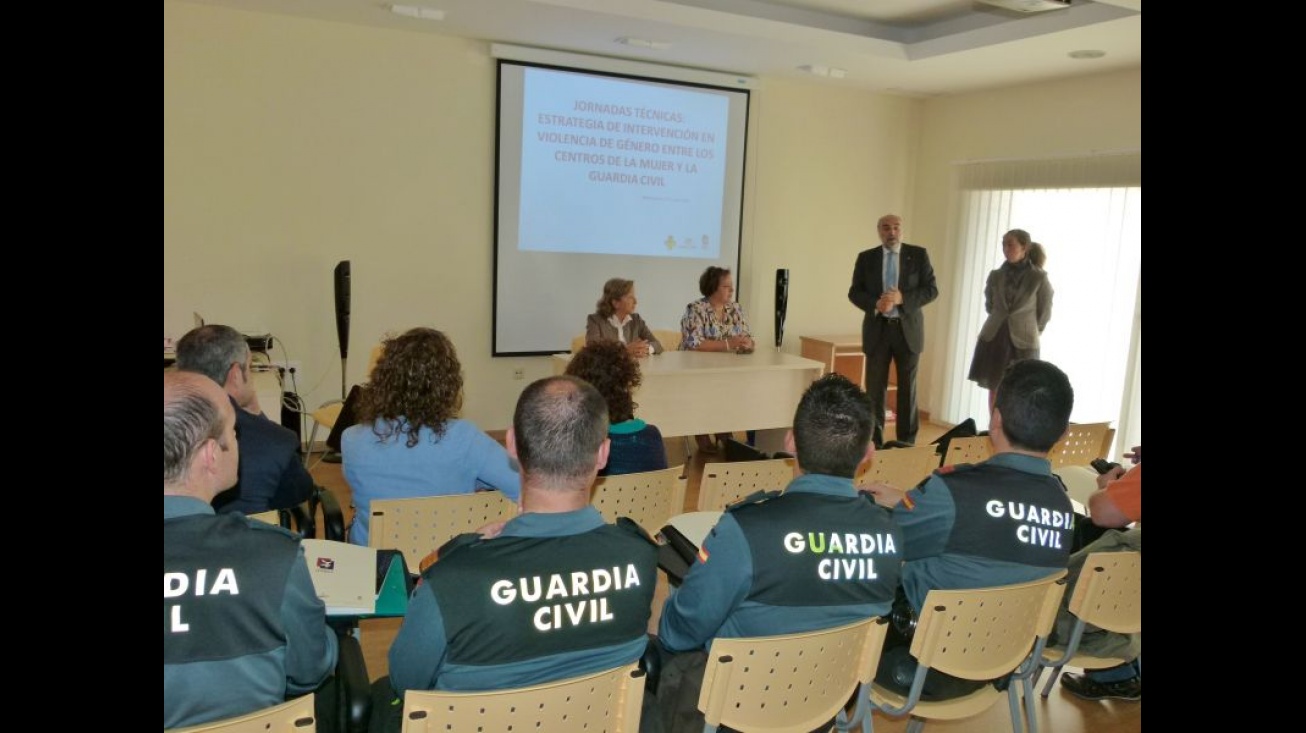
891	271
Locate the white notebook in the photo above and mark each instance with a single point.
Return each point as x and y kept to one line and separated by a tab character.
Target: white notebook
344	576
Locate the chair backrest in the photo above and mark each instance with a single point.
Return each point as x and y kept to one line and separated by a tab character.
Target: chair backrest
1080	481
271	516
1109	592
968	450
292	716
902	468
1082	443
417	526
577	343
794	682
605	701
985	633
669	338
649	497
726	483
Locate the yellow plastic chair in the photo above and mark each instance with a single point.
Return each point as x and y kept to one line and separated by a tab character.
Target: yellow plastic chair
670	339
968	450
901	468
292	716
791	683
726	483
418	526
650	497
978	634
605	701
1082	443
1109	595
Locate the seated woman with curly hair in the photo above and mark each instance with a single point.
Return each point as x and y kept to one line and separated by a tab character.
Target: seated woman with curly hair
408	441
636	445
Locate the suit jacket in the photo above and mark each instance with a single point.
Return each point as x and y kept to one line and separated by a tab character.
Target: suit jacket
599	328
915	281
1026	309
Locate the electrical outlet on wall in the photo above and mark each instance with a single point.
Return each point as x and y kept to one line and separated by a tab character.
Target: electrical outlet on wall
519	373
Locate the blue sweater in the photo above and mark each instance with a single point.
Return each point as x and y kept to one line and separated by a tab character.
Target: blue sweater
458	462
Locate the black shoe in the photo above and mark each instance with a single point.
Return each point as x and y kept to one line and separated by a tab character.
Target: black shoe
1080	685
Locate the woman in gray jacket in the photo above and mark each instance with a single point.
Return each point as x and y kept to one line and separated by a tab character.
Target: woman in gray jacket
1018	299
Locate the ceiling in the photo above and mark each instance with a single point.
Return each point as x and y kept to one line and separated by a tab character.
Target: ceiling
918	48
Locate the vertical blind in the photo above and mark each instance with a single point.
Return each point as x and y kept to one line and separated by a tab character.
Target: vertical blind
1087	213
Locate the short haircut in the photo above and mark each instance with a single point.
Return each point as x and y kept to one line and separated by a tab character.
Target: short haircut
189	419
832	427
559	424
711	279
417	382
1035	399
614	289
610	368
211	350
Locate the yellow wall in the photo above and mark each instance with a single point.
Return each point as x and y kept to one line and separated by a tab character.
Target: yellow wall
1070	117
292	144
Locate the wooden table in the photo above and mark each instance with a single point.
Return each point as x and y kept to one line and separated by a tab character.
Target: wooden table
843	354
697	392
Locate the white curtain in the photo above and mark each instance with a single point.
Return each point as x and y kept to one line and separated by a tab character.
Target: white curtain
1087	213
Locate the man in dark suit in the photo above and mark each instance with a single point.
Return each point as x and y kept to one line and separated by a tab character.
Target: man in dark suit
891	283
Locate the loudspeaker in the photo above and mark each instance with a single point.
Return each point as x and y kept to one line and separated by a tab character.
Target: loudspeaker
342	307
781	304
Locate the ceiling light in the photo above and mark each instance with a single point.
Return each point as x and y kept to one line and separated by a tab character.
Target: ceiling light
644	43
819	70
417	11
1088	53
1028	6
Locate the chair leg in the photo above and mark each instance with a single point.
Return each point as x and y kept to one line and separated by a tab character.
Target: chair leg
1013	703
1052	680
915	725
308	454
1031	713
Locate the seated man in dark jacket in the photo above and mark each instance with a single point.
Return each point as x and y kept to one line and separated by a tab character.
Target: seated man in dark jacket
272	475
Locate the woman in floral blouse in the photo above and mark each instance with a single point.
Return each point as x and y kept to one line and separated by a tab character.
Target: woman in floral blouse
715	323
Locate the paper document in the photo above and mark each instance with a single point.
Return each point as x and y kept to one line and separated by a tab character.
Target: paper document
344	576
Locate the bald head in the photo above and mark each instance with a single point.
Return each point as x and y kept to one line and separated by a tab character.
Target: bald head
560	431
200	455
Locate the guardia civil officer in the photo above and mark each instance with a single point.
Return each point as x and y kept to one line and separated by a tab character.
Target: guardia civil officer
1006	520
554	593
817	556
242	627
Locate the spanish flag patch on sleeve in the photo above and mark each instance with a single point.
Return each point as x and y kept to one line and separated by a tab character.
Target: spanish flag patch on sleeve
907	502
702	554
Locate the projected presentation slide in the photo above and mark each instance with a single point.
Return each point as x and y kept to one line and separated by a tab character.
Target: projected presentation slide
613	168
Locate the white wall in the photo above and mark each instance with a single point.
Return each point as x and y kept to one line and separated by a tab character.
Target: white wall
292	144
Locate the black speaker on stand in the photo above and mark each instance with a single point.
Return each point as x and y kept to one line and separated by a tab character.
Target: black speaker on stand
342	277
781	304
342	318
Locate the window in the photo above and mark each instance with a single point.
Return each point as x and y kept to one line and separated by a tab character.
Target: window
1087	213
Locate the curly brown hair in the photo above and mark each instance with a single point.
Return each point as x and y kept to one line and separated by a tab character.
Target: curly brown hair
613	372
417	382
